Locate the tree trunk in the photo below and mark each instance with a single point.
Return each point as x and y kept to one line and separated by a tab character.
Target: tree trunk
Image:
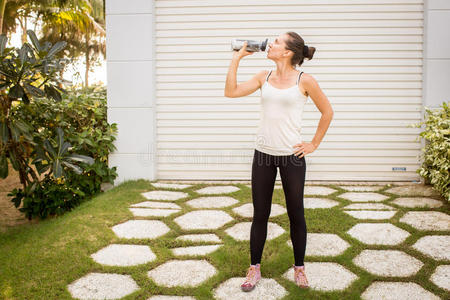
2	13
24	30
86	74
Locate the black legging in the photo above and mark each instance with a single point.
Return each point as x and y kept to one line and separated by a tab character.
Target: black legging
292	173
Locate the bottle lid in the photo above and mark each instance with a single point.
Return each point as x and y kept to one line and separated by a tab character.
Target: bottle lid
263	45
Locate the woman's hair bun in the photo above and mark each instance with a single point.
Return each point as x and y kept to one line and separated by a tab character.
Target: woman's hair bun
296	44
308	52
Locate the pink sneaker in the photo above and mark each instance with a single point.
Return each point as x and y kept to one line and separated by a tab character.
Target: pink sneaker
300	276
253	276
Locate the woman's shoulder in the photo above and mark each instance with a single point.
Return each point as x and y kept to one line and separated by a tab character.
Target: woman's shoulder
265	72
261	75
307	75
308	82
308	78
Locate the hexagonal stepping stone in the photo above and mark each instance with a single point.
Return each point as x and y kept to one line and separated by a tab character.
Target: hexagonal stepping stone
141	229
241	231
124	255
203	219
367	206
363	196
246	210
212	202
164	195
414	190
195	250
102	286
361	188
417	202
219	189
378	233
152	212
435	246
318	202
318	190
185	273
427	220
371	214
170	185
441	277
323	244
164	297
155	204
396	291
325	276
267	289
390	263
206	237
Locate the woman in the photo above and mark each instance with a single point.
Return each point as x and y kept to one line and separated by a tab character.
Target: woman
284	92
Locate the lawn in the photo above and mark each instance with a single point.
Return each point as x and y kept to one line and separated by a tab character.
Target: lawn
38	261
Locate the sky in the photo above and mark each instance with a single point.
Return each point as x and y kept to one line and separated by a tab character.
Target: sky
73	73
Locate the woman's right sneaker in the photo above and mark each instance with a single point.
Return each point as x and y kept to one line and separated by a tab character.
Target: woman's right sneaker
252	278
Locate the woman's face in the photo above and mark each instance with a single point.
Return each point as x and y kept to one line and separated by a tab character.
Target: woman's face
277	47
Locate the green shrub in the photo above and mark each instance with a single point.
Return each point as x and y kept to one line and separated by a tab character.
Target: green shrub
436	154
28	74
53	196
82	115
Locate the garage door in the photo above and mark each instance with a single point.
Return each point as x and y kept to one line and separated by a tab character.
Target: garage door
368	62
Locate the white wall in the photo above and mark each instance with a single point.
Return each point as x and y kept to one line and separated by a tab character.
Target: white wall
131	93
437	53
167	64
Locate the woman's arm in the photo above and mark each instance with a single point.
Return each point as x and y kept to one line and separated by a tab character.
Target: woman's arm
232	88
320	99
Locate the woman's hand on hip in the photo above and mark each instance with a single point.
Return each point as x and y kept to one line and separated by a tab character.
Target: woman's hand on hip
303	149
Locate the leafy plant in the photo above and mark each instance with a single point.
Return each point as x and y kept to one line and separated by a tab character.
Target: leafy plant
50	197
436	154
59	157
32	72
82	114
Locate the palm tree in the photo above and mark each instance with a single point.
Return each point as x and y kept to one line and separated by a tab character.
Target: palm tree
12	10
80	23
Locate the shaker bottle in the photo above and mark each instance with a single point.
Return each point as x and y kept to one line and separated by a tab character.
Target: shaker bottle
252	45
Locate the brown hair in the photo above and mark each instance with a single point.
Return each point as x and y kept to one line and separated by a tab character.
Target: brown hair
296	44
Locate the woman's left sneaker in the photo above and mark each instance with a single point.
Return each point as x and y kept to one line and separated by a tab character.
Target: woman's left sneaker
300	276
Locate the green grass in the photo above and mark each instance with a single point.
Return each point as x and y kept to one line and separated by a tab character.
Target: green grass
38	261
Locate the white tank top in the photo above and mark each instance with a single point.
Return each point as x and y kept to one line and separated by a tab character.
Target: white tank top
280	119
